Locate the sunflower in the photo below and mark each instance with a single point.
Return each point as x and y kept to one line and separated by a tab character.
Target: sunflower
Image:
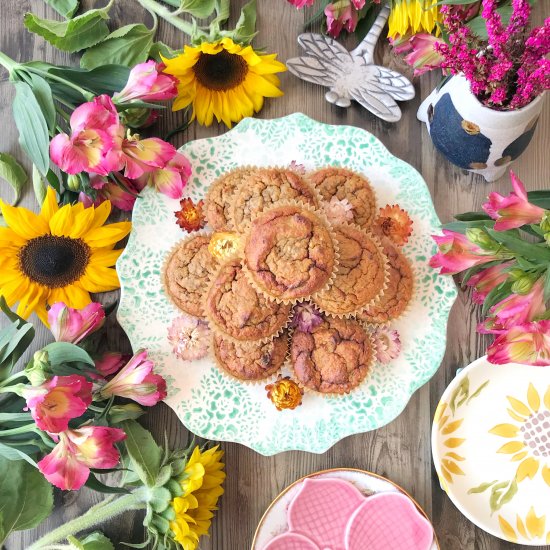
530	435
412	17
201	484
530	528
59	255
223	80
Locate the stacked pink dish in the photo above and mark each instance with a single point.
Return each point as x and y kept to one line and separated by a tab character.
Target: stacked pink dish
331	514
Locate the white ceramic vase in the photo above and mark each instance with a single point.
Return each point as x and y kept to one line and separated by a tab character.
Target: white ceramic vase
472	136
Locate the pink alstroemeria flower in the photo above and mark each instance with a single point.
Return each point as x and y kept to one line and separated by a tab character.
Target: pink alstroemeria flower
169	180
342	14
137	381
68	465
526	343
111	362
146	82
73	325
108	190
487	279
515	309
302	3
422	57
457	253
514	210
55	402
92	127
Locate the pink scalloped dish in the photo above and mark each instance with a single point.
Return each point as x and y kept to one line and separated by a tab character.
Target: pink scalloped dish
331	514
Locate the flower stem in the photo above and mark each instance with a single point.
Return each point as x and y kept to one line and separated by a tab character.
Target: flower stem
21	430
154	7
7	62
88	96
13	377
99	513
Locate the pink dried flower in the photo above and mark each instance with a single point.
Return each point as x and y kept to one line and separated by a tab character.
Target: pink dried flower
189	337
338	210
387	344
298	168
306	317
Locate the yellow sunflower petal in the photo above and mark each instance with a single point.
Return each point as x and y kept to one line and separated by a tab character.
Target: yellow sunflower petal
439	412
516	416
49	205
511	447
25	223
453	442
521	528
547	398
505	430
507	530
533	398
535	525
520	456
105	257
72	295
101	213
9	238
82	223
99	279
453	467
518	406
546	474
33	299
528	468
13	289
107	235
452	426
62	222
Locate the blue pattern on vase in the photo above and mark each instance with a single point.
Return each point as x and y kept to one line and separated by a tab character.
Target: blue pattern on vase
519	145
448	135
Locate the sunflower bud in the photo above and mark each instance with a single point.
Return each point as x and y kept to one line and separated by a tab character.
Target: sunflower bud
523	285
38	369
73	182
481	238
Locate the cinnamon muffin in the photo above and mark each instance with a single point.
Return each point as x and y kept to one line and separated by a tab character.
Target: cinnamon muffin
289	253
334	357
349	186
399	290
360	276
236	309
186	274
218	198
250	360
265	188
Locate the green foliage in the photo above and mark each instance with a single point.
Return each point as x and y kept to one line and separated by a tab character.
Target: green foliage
60	353
197	8
478	24
94	541
245	29
26	498
14	174
66	8
106	79
145	455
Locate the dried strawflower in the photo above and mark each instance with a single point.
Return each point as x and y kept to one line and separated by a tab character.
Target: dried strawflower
224	245
394	223
387	344
285	393
190	217
306	317
189	337
338	210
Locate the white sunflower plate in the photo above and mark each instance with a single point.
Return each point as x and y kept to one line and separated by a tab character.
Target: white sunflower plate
214	406
491	449
274	521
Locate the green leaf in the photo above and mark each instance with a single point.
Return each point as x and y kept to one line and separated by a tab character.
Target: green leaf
472	216
66	8
126	46
460	395
63	352
94	541
496	295
462	226
14	454
198	8
73	35
479	27
38	185
478	391
14	174
43	93
521	247
547	284
107	79
245	29
26	498
160	48
93	483
143	451
482	487
32	126
502	493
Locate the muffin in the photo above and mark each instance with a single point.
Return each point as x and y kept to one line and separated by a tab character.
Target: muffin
234	308
345	185
265	188
251	360
399	289
361	275
186	274
218	198
289	253
334	357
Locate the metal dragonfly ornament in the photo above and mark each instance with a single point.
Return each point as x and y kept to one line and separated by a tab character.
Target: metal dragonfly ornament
353	75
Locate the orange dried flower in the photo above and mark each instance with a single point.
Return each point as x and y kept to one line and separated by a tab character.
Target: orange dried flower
224	245
190	217
394	223
285	393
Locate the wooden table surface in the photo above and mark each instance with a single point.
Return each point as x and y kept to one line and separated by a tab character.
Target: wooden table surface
400	450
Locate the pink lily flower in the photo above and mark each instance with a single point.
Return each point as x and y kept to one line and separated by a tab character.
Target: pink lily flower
55	402
526	343
457	253
514	210
342	14
110	362
68	465
137	381
73	325
169	180
487	279
423	57
147	82
91	138
515	309
302	3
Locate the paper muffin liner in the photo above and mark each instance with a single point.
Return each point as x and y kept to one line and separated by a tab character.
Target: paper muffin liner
335	246
369	181
215	328
378	297
168	257
270	378
234	199
324	395
230	226
408	308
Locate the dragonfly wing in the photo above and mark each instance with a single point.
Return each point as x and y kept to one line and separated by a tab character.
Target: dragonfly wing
392	82
377	102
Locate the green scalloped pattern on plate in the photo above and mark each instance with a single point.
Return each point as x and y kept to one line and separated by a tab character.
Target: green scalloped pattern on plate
216	407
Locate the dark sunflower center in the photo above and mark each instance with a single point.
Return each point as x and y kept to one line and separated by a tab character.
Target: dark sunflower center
221	71
54	261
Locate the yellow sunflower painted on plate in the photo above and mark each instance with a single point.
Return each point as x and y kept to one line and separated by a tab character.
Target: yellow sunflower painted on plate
529	435
59	255
224	80
449	461
530	528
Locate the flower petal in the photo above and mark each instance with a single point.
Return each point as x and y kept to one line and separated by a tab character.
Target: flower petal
511	447
505	430
25	223
528	468
533	398
107	235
